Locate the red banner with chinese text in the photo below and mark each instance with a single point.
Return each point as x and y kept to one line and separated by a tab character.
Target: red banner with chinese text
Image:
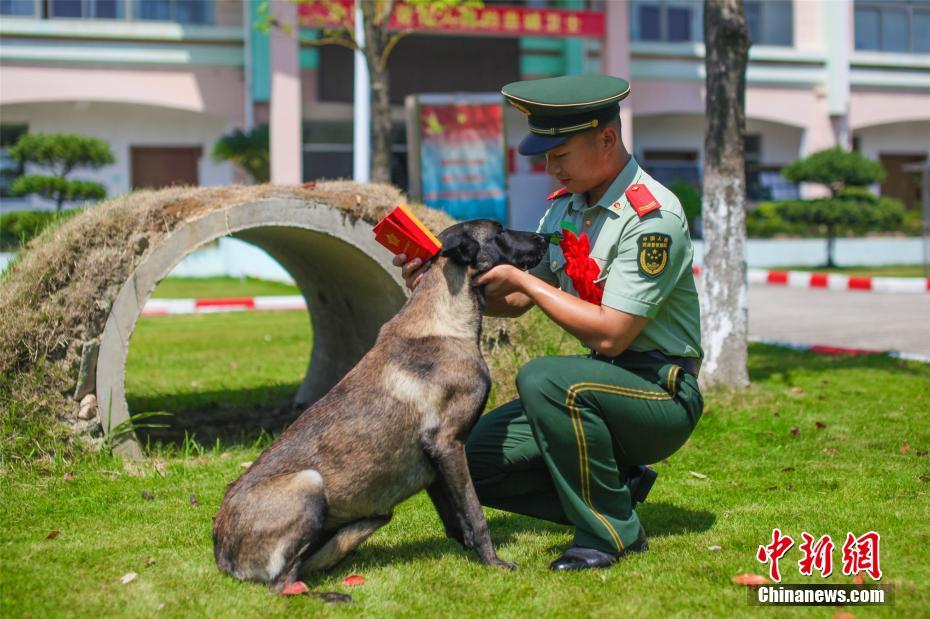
490	20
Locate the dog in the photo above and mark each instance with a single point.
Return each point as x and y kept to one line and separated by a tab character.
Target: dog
395	424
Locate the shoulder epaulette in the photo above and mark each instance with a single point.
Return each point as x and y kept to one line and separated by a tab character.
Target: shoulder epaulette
558	193
641	199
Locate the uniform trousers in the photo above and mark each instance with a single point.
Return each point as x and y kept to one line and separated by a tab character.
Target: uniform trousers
560	451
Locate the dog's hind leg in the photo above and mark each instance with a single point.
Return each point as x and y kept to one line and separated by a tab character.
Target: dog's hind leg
345	540
264	528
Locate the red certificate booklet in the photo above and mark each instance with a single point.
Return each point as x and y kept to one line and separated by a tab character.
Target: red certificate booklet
403	233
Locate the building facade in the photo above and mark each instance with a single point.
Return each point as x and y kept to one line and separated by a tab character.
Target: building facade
162	80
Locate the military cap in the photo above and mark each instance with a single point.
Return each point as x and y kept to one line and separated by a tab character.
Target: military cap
560	107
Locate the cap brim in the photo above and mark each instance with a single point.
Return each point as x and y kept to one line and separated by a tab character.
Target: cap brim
535	144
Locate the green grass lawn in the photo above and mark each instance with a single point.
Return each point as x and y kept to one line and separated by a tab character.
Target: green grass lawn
224	366
891	270
219	287
766	461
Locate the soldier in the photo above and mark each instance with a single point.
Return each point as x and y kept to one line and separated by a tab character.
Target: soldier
571	448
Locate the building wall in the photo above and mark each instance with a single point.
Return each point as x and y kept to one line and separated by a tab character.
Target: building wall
123	126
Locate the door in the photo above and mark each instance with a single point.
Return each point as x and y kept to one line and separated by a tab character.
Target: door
161	166
900	184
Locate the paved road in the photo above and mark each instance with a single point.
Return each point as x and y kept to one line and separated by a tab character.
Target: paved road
868	320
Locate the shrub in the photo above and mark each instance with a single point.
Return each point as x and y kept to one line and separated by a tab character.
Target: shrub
61	153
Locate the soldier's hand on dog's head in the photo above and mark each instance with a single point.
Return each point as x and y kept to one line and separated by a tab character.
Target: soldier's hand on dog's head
410	270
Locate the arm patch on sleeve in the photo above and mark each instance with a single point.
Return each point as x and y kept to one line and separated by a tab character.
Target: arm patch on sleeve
653	253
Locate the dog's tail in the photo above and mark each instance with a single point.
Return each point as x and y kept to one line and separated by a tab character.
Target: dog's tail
263	528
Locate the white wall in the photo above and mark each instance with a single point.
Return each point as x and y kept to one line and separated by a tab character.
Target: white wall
781	144
669	132
122	125
897	138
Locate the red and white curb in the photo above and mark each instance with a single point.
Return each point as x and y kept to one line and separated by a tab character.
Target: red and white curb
790	279
165	307
830	281
821	349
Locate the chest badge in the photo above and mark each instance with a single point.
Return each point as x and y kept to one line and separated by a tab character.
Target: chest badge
653	253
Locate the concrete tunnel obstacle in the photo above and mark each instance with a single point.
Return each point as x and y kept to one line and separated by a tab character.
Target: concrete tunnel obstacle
347	279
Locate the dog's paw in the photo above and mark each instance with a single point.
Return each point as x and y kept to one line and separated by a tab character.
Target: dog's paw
504	565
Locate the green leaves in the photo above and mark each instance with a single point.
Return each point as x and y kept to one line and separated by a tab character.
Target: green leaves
61	152
248	150
56	188
836	169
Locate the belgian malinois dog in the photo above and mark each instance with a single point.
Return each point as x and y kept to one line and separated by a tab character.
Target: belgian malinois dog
395	424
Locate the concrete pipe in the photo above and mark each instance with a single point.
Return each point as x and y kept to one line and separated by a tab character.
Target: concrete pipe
350	286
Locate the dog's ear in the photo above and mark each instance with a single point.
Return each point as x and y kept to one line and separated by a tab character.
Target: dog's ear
461	249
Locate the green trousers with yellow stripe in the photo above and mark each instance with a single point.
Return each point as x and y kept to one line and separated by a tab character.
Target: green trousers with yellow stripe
561	450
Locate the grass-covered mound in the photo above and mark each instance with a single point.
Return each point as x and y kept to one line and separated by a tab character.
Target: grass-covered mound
56	297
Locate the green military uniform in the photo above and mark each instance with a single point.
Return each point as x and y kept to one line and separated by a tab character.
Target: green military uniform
561	451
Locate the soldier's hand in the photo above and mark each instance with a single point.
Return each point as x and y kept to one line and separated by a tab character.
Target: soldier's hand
411	270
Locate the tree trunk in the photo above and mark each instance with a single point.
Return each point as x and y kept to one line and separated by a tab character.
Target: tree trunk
831	242
723	294
376	39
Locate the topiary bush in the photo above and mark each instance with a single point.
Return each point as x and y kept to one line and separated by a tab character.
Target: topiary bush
61	153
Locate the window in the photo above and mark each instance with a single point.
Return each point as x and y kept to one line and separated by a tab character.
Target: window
670	166
770	22
18	8
764	181
901	26
327	151
181	11
87	9
10	169
671	21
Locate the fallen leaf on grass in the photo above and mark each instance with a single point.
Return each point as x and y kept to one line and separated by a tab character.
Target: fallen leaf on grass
698	475
713	548
859	580
68	476
53	534
245	465
332	597
906	447
160	467
750	580
795	431
193	500
796	391
820	425
148	496
160	606
843	615
128	577
298	587
353	580
788	469
149	561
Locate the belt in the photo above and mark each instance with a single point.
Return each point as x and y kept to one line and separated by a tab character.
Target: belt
691	365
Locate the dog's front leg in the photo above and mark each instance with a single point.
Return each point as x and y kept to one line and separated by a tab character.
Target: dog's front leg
451	517
449	458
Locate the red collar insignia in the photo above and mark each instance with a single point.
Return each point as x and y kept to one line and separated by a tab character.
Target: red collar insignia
642	200
558	193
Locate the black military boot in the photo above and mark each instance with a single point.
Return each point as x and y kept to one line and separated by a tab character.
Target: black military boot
578	558
640	480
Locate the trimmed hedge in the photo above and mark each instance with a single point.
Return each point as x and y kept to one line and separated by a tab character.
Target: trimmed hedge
17	228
